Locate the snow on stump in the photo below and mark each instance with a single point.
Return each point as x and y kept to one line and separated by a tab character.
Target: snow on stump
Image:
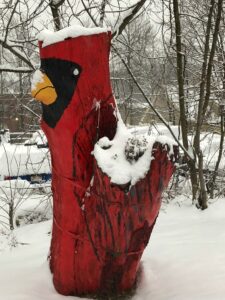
106	183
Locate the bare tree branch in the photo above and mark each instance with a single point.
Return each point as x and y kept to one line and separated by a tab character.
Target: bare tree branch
102	12
88	12
54	6
10	19
7	45
128	18
15	70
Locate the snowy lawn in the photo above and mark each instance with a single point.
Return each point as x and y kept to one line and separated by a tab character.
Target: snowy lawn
184	260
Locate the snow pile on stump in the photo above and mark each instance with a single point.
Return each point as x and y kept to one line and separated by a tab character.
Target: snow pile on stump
127	158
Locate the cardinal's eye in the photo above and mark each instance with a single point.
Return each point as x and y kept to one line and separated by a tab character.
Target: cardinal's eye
76	72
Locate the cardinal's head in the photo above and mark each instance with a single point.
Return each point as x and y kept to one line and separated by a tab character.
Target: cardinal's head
54	85
74	77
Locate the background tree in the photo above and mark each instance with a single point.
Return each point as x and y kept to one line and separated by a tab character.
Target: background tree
205	20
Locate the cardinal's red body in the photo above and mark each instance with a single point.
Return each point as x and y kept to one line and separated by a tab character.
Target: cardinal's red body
99	230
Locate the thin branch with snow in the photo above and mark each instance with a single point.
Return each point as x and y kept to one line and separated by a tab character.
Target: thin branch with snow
127	19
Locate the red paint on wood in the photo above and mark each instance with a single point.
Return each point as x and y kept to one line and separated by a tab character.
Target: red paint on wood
99	230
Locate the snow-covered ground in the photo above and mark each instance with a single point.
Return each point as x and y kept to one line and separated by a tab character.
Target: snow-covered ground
185	259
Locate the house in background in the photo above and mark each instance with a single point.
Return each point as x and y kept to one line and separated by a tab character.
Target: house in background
20	115
16	112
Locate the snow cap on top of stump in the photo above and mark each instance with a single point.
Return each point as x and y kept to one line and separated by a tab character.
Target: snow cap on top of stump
49	37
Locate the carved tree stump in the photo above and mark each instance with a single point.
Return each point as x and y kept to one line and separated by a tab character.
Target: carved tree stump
99	230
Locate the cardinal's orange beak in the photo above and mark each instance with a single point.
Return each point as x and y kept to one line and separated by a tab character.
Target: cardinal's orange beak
43	89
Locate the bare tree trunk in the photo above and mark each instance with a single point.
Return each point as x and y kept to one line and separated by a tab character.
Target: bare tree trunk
215	173
180	79
196	173
220	54
1	77
11	216
1	83
203	197
205	91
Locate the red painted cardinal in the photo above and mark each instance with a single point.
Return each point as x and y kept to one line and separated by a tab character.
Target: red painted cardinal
100	229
